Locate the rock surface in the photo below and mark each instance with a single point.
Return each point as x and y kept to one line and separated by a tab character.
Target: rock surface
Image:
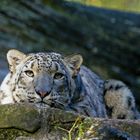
26	122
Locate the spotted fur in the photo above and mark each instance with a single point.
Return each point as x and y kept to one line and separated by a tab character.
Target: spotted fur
120	102
48	79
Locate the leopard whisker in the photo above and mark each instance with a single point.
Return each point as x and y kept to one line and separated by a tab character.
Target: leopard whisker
60	103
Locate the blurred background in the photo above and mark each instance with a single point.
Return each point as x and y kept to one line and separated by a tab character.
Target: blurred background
123	5
105	32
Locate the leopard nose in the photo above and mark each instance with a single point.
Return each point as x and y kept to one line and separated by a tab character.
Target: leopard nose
42	94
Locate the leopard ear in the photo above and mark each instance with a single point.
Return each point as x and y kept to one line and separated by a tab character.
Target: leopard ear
74	62
14	57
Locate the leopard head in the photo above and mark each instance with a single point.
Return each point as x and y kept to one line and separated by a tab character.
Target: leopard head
43	78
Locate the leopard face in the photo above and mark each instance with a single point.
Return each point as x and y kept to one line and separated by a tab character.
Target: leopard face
43	78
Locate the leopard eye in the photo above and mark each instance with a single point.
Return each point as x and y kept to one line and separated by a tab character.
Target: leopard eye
58	75
29	73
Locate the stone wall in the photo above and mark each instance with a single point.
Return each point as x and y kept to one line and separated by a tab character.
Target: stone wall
26	122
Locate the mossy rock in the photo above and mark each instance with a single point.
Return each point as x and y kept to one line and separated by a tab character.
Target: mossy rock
26	122
19	116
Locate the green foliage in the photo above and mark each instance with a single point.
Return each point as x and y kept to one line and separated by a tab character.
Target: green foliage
125	5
